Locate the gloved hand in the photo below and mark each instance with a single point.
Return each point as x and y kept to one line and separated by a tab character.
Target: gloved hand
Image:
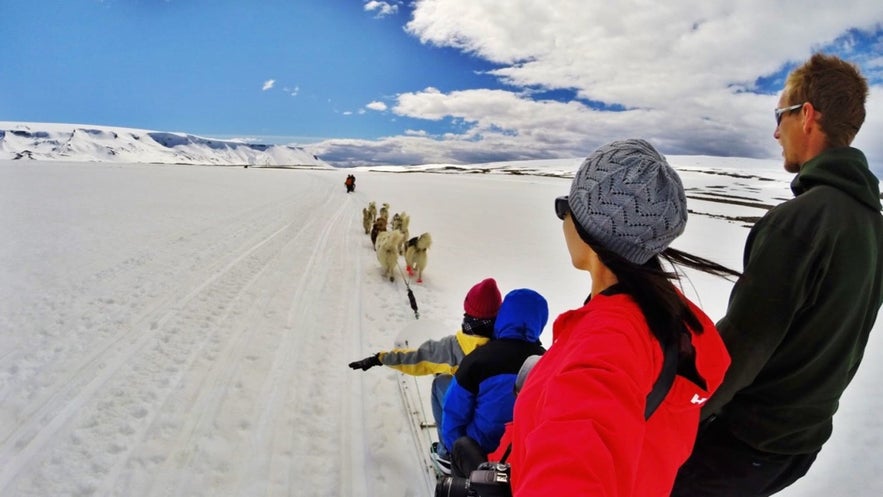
367	363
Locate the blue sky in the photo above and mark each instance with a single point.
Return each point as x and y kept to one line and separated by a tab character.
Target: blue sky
432	80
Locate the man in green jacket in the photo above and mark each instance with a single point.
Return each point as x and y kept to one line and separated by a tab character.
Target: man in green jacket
799	317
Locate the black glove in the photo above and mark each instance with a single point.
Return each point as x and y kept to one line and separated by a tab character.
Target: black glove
367	363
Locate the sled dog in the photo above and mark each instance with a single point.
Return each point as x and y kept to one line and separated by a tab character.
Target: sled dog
415	255
372	211
367	222
379	225
388	251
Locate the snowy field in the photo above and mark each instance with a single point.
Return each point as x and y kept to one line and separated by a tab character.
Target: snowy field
185	330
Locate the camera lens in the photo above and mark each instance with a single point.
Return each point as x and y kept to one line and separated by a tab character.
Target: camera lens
452	486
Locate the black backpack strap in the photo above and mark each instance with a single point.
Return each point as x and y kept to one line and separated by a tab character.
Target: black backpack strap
666	378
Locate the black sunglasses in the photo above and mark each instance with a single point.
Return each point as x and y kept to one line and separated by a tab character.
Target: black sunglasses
781	111
562	207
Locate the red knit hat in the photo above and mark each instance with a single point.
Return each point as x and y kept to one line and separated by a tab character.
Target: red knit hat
483	300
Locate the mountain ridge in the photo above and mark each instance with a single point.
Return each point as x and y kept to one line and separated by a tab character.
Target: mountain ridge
88	143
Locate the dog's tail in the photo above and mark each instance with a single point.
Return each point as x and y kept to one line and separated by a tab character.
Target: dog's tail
424	241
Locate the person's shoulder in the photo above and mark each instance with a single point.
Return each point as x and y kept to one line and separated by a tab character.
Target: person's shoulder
617	308
611	316
482	353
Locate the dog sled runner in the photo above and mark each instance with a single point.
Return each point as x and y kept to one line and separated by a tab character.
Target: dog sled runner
422	429
416	393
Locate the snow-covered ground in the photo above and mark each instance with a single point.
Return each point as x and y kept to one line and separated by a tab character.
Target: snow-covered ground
184	331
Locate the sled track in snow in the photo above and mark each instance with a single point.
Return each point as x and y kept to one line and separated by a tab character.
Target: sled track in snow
51	415
60	406
210	396
136	333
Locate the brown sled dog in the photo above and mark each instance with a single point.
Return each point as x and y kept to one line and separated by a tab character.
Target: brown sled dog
379	225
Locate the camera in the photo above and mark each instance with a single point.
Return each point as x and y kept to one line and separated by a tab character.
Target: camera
489	480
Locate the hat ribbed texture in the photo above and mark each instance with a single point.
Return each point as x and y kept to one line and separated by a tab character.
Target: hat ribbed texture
627	198
483	300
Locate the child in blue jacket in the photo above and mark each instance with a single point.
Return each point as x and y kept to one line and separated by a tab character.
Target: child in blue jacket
481	396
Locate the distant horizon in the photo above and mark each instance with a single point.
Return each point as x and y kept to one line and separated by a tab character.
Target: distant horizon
751	163
398	82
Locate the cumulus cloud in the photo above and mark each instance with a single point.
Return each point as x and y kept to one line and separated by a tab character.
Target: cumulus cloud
268	84
692	78
575	128
378	106
382	9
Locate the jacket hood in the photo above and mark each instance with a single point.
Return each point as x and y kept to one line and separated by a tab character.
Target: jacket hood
522	316
843	168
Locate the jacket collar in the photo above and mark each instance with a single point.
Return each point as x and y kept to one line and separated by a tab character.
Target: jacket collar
845	169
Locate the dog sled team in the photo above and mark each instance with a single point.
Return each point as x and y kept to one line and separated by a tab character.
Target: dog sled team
391	240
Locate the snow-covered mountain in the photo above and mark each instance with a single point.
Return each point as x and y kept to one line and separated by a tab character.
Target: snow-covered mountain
87	143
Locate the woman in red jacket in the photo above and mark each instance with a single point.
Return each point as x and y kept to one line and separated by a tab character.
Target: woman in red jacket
579	424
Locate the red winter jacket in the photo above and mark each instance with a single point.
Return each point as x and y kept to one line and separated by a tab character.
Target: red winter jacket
579	425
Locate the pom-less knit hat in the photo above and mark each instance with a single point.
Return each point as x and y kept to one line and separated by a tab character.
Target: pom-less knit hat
627	198
483	300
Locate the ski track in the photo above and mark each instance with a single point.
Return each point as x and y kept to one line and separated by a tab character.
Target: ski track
109	416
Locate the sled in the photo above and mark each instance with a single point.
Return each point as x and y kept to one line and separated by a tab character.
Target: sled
416	394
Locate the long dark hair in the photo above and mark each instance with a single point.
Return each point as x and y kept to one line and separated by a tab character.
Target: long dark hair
651	285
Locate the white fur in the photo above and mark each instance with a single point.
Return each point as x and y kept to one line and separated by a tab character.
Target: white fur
384	211
415	255
404	221
387	247
367	221
372	211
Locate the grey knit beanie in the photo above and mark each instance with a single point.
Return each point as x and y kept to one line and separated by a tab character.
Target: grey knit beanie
627	198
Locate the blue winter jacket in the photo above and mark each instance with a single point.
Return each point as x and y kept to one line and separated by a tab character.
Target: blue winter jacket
481	396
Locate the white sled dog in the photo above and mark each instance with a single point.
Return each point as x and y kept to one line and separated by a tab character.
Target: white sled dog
405	221
372	211
384	210
367	221
415	255
387	247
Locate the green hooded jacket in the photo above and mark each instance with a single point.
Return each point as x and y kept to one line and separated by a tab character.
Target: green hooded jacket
799	317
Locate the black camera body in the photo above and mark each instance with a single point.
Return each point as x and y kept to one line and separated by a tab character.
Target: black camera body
489	480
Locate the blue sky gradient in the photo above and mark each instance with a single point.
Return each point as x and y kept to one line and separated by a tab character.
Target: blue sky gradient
433	80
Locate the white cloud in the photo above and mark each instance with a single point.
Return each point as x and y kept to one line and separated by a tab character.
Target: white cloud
378	106
635	53
681	73
382	9
268	84
292	91
573	128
